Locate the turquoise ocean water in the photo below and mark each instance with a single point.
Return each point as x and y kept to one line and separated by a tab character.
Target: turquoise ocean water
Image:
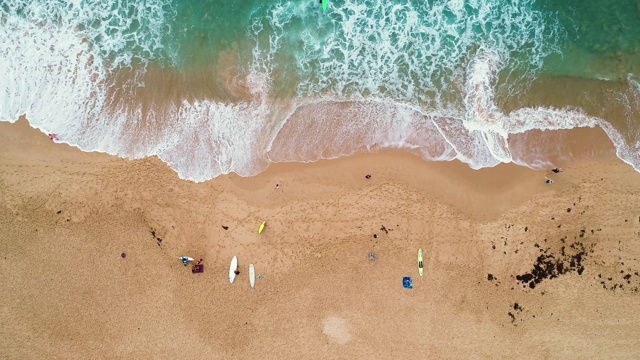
213	86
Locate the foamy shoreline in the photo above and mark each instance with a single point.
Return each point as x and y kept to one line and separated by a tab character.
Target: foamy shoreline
66	216
284	82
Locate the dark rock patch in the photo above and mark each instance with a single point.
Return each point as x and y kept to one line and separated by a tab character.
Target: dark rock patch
550	266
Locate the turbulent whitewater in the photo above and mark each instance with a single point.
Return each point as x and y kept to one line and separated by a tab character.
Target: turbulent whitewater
216	87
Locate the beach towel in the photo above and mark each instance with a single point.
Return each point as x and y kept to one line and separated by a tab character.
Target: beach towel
197	269
407	282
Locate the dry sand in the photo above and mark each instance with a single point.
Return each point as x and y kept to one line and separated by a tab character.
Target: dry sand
66	216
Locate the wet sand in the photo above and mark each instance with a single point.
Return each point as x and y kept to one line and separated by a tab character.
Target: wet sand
514	268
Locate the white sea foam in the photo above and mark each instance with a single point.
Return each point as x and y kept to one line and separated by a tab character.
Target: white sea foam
55	58
58	74
628	145
390	75
411	52
478	135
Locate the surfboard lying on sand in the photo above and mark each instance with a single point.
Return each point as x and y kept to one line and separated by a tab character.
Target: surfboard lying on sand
420	266
252	275
262	227
232	269
183	258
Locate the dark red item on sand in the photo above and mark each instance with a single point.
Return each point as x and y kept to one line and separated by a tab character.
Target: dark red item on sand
197	269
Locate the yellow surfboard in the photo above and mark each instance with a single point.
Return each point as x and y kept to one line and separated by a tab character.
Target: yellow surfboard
420	266
262	227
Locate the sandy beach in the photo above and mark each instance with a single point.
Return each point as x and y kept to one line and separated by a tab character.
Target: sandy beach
514	268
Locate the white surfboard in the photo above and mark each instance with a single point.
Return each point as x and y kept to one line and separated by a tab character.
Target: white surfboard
232	269
252	275
182	258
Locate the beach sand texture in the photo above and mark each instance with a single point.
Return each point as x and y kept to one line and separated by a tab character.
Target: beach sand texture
514	268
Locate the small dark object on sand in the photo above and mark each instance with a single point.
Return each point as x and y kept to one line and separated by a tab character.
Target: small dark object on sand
548	181
237	272
557	170
407	282
225	227
123	255
368	177
199	268
375	236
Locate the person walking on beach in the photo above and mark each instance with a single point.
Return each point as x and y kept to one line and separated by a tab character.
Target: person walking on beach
53	136
548	181
557	170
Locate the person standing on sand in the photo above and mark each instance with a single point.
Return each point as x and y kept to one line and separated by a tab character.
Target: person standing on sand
53	136
557	170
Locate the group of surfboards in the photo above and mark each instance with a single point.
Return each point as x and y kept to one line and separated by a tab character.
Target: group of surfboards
234	267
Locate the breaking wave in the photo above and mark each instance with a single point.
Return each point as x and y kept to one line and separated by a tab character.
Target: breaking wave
300	86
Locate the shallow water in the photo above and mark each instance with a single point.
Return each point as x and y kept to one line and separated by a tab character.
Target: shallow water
216	87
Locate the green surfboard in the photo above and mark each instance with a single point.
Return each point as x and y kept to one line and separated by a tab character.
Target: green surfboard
325	3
